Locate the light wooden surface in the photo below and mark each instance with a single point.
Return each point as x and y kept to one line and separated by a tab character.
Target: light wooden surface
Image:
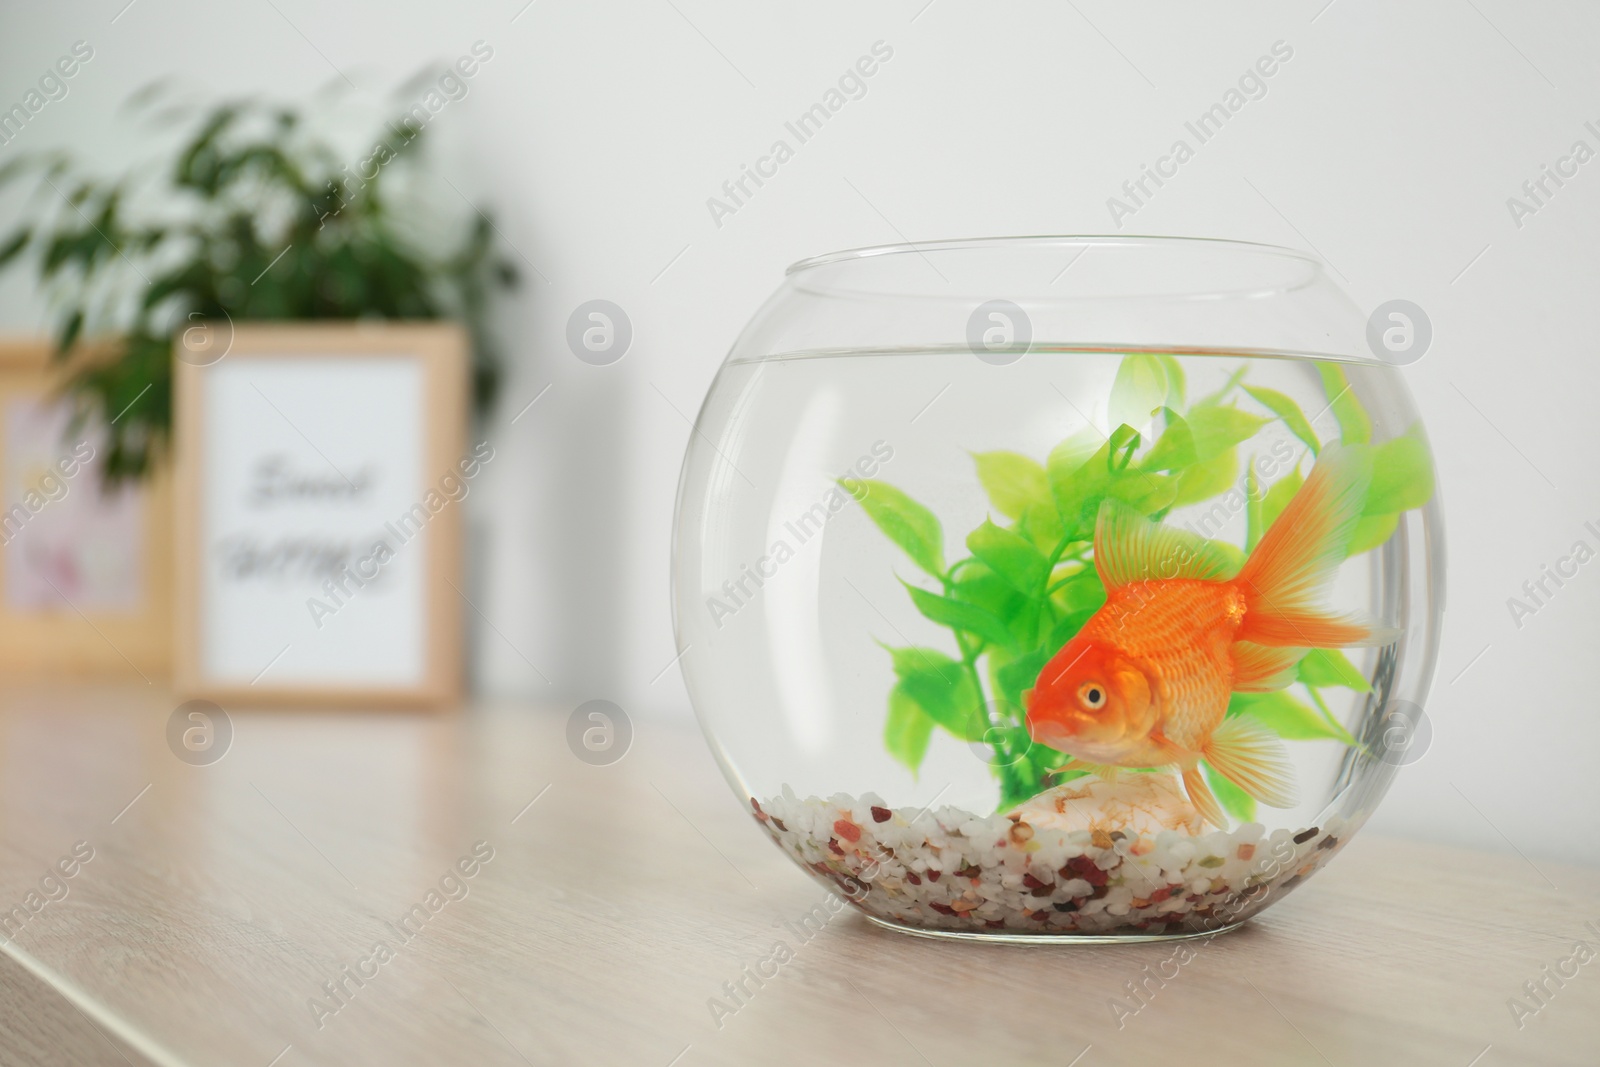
622	899
40	1026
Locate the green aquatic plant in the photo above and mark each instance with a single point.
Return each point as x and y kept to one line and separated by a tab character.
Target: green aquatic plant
1028	583
253	215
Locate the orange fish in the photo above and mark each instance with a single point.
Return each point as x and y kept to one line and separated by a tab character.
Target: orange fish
1146	682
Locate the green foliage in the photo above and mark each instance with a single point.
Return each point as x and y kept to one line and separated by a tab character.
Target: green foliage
907	730
1288	717
1207	433
1254	527
1402	475
942	688
1205	480
1029	584
1355	428
253	218
961	615
1140	387
1402	468
1372	531
1286	409
1010	555
1013	481
1328	666
1277	498
907	523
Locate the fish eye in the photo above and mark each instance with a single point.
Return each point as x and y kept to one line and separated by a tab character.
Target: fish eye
1092	695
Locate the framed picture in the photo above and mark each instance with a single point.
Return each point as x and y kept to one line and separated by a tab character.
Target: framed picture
320	470
85	569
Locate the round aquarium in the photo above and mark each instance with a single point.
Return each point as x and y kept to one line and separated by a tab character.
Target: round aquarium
1059	588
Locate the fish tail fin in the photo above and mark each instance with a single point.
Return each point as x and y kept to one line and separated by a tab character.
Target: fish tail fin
1253	758
1200	795
1264	668
1284	578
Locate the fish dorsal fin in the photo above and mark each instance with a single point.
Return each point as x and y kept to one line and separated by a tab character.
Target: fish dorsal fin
1130	548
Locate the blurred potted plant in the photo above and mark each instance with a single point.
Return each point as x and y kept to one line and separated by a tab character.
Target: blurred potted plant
255	217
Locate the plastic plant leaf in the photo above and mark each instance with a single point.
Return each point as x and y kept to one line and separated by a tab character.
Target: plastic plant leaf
1068	626
1147	493
1328	666
1020	613
1079	490
1402	475
1013	481
976	583
1372	531
1069	456
1277	498
1287	410
1140	387
1174	449
1011	556
904	521
1254	528
1232	553
1212	399
1069	567
959	615
1015	679
942	688
1327	717
1355	428
1124	441
1205	480
1288	717
907	730
1235	801
1175	381
1083	593
1022	672
1217	428
1019	782
1041	524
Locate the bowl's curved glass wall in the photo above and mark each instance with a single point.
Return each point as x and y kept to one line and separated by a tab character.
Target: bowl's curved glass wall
885	530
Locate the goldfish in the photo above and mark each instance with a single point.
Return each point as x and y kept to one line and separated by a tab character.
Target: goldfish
1146	682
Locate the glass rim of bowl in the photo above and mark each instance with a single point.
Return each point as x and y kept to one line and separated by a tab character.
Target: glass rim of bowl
1129	267
1084	240
1071	292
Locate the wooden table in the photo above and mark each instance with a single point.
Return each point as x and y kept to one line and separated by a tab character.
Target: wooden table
619	900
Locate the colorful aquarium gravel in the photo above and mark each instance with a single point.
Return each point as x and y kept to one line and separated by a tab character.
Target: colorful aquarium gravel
949	869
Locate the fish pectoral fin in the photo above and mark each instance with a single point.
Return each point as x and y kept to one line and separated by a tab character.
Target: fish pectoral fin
1099	770
1253	758
1200	795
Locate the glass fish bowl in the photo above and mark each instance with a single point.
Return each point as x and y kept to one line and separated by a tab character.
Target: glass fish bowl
1072	589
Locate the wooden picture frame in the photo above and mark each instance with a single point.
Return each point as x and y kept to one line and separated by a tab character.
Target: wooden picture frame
344	429
128	640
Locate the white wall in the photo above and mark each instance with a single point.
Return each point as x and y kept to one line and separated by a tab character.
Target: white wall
1389	143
